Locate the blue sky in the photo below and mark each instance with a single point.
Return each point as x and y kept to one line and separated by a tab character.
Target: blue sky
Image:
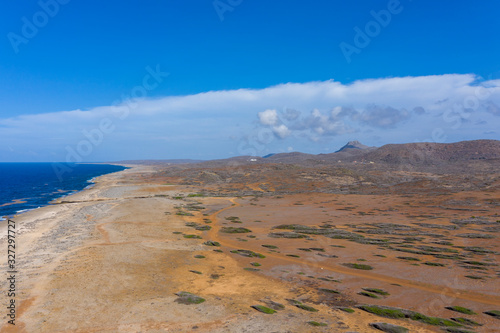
87	80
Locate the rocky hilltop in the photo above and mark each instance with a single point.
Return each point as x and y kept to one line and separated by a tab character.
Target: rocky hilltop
353	145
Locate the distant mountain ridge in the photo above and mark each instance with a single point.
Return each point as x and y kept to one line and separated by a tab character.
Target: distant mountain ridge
418	154
432	153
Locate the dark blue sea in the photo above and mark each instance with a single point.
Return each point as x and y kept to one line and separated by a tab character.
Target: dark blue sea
26	186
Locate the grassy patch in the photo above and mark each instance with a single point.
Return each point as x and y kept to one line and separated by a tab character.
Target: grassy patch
199	256
306	307
383	312
396	313
330	291
493	313
270	246
211	243
304	249
433	320
234	219
320	249
409	258
315	323
196	272
263	309
203	227
188	298
251	269
234	230
302	306
358	266
248	253
389	328
457	330
477	249
192	236
368	294
293	255
465	321
181	213
291	235
428	263
477	263
348	310
193	195
461	309
377	291
273	305
255	264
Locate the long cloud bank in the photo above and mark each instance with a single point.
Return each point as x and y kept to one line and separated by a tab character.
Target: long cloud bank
255	121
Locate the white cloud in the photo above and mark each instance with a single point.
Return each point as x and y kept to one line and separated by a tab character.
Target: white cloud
281	131
268	117
199	125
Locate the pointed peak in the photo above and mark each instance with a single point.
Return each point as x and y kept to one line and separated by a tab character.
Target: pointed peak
353	145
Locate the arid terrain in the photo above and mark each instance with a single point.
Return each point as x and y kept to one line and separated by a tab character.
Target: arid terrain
283	244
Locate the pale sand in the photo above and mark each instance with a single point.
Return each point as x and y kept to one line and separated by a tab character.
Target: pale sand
108	261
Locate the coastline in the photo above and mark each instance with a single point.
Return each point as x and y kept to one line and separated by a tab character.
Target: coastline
45	211
37	232
63	193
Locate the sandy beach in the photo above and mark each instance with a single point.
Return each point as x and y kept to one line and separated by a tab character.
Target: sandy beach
113	257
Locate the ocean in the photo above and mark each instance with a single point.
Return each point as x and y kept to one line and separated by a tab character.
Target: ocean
26	186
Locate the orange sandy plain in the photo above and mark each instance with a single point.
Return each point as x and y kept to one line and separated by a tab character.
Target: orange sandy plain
113	257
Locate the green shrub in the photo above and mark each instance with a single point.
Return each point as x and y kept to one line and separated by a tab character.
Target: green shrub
465	321
358	266
263	309
348	310
306	307
234	230
493	313
367	294
461	310
377	291
188	298
330	291
192	236
315	323
211	243
248	253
